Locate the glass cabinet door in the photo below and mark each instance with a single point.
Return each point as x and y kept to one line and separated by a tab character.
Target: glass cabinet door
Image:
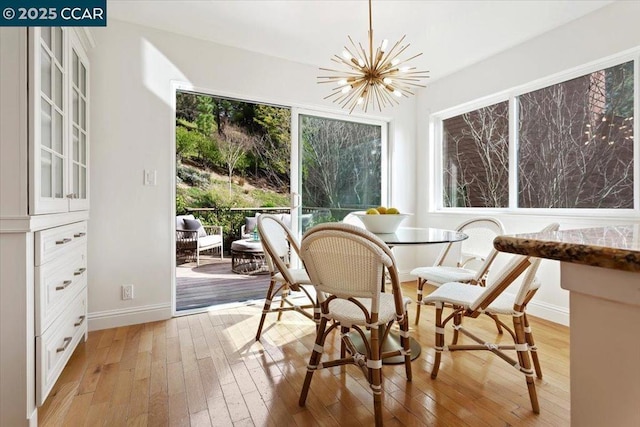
49	107
79	138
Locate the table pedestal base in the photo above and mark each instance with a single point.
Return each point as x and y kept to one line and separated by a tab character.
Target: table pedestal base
391	343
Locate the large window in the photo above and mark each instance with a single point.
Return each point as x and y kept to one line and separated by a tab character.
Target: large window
573	144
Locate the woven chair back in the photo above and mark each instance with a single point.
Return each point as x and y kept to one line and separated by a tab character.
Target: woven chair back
278	241
346	261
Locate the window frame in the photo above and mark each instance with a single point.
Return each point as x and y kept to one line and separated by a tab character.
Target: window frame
511	95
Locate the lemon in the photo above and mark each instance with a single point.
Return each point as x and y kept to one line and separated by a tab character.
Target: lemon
373	211
381	210
393	211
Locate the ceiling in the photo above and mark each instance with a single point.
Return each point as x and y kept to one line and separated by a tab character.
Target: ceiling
450	34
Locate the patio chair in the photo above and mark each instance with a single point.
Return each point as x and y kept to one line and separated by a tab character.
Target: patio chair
346	264
472	301
472	264
192	238
278	241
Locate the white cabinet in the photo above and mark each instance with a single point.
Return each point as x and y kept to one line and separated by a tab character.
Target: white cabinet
58	120
44	202
60	300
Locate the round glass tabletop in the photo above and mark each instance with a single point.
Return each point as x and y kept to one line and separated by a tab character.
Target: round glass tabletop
421	236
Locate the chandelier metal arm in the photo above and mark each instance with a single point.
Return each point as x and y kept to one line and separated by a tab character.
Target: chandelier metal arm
371	79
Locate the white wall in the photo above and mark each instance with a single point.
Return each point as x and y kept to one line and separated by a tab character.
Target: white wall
607	31
131	129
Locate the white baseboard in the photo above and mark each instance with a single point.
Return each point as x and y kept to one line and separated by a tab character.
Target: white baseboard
550	312
128	316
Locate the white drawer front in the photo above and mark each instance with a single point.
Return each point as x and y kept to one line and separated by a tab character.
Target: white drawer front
54	241
57	283
56	345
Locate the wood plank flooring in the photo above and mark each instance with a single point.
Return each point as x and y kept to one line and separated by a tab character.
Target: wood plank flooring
207	370
214	283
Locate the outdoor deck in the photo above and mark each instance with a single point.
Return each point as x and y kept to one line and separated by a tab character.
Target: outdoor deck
214	283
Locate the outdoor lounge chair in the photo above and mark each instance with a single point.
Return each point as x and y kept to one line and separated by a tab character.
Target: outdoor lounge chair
192	238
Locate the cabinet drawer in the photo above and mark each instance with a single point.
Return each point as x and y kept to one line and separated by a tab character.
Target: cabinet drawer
56	345
54	241
57	283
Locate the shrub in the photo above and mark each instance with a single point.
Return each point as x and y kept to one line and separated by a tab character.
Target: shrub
192	176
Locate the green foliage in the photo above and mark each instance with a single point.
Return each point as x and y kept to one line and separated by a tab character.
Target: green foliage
187	142
204	119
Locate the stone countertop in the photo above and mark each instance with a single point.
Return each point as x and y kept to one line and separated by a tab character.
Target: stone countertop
616	247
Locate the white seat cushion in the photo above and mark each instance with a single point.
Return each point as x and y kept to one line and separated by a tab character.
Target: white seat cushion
209	241
466	295
347	313
299	276
444	274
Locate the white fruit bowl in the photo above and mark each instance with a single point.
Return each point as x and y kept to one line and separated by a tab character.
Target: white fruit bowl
387	223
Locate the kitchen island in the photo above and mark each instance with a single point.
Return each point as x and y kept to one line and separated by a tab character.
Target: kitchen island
601	269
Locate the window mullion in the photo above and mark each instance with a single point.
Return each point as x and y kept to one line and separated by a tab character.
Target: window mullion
513	152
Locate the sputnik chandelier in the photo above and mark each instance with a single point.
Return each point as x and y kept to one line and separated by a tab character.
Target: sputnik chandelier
378	79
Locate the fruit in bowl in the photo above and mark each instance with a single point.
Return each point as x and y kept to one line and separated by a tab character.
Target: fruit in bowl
381	219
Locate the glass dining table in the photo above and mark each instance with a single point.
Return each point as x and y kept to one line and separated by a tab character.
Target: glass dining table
409	236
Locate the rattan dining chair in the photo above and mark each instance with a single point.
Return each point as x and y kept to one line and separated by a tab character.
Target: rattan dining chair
473	261
347	266
472	301
278	242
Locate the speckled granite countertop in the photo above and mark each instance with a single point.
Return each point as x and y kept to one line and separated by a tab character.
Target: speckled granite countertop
616	247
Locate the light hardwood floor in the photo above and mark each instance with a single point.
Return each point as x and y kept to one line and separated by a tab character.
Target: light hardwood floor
207	370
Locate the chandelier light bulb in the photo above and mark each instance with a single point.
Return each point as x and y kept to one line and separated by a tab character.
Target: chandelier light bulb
369	76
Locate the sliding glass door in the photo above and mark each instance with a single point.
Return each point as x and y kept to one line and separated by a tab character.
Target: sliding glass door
342	167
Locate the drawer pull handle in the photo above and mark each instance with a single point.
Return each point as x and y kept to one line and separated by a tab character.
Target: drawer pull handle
81	234
79	271
63	241
63	286
79	322
66	342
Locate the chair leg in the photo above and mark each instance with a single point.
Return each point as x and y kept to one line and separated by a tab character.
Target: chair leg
528	334
313	361
265	309
343	347
495	319
439	340
284	294
421	283
523	360
375	376
406	345
457	321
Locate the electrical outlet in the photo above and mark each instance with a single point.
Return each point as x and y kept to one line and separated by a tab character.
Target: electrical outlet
127	292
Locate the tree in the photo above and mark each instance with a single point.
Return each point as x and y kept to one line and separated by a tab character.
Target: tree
232	146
